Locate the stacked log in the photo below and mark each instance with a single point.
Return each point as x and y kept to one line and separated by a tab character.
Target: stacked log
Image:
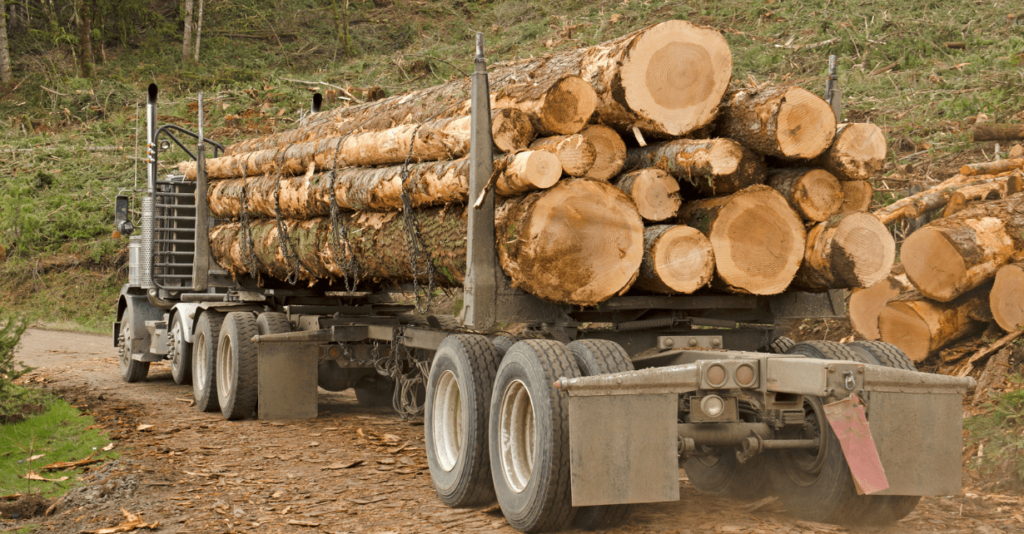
572	200
921	326
866	303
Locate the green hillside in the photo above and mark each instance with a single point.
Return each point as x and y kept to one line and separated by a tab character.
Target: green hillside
918	68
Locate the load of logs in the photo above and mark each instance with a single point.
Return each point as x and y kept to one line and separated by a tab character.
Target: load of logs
628	166
959	272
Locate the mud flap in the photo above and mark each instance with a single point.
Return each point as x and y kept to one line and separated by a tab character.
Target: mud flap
287	380
850	424
624	449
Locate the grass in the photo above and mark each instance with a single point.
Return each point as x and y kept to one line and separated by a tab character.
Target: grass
1001	432
62	434
895	69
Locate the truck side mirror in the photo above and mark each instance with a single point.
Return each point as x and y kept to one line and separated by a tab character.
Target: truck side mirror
122	221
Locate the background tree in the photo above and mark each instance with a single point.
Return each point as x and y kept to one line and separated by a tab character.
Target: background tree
186	44
5	58
199	29
85	39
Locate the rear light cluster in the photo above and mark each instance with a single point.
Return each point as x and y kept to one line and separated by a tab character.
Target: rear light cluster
729	375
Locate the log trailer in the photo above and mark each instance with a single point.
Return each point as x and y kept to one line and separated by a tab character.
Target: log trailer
588	411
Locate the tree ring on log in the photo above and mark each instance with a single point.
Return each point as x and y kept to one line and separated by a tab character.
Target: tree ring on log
802	117
568	106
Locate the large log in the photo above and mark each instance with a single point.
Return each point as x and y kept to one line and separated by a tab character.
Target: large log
866	303
987	190
709	166
379	189
857	196
667	80
951	256
846	251
611	151
677	259
815	194
1006	300
920	326
781	121
578	243
511	129
757	238
575	153
365	149
998	132
858	152
654	191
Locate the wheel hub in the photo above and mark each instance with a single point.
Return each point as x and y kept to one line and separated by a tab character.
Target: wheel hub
448	429
518	431
177	345
201	363
225	365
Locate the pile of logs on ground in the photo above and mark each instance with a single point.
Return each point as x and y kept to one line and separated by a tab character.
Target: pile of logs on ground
959	272
628	166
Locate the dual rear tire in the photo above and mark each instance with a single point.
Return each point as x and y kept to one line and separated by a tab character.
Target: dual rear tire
225	372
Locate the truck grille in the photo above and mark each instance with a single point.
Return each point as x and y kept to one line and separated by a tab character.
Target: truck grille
174	224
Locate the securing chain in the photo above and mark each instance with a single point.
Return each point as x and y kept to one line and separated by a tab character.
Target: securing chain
338	235
413	239
247	245
283	242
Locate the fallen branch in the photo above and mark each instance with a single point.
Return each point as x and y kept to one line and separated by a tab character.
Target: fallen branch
986	352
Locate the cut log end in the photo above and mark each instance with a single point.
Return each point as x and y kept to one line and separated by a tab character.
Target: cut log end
806	124
655	192
858	152
901	325
675	75
611	151
1007	297
535	169
677	259
933	264
757	238
567	107
511	130
857	196
580	242
867	303
815	194
847	251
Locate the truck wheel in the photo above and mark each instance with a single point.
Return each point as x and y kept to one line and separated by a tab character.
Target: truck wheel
237	371
826	350
886	354
528	436
204	360
455	419
504	342
273	323
816	484
600	357
181	352
721	473
333	377
131	370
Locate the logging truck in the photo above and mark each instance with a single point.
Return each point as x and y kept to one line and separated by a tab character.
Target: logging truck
589	409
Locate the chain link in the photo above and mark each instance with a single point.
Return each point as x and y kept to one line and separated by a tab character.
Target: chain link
247	246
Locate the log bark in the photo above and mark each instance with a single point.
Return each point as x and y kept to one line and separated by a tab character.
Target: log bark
988	190
781	121
951	256
931	199
654	191
677	259
866	303
757	238
857	196
611	152
920	326
379	189
992	167
1006	299
998	132
847	251
708	166
386	147
579	243
575	153
858	152
815	194
511	130
667	80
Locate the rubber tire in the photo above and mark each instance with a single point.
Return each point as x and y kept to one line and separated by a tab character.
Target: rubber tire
204	389
132	371
504	342
781	345
333	377
600	357
729	478
235	346
474	360
379	394
832	497
545	504
272	323
886	354
181	368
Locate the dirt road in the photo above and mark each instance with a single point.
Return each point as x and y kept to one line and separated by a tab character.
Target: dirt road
352	469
